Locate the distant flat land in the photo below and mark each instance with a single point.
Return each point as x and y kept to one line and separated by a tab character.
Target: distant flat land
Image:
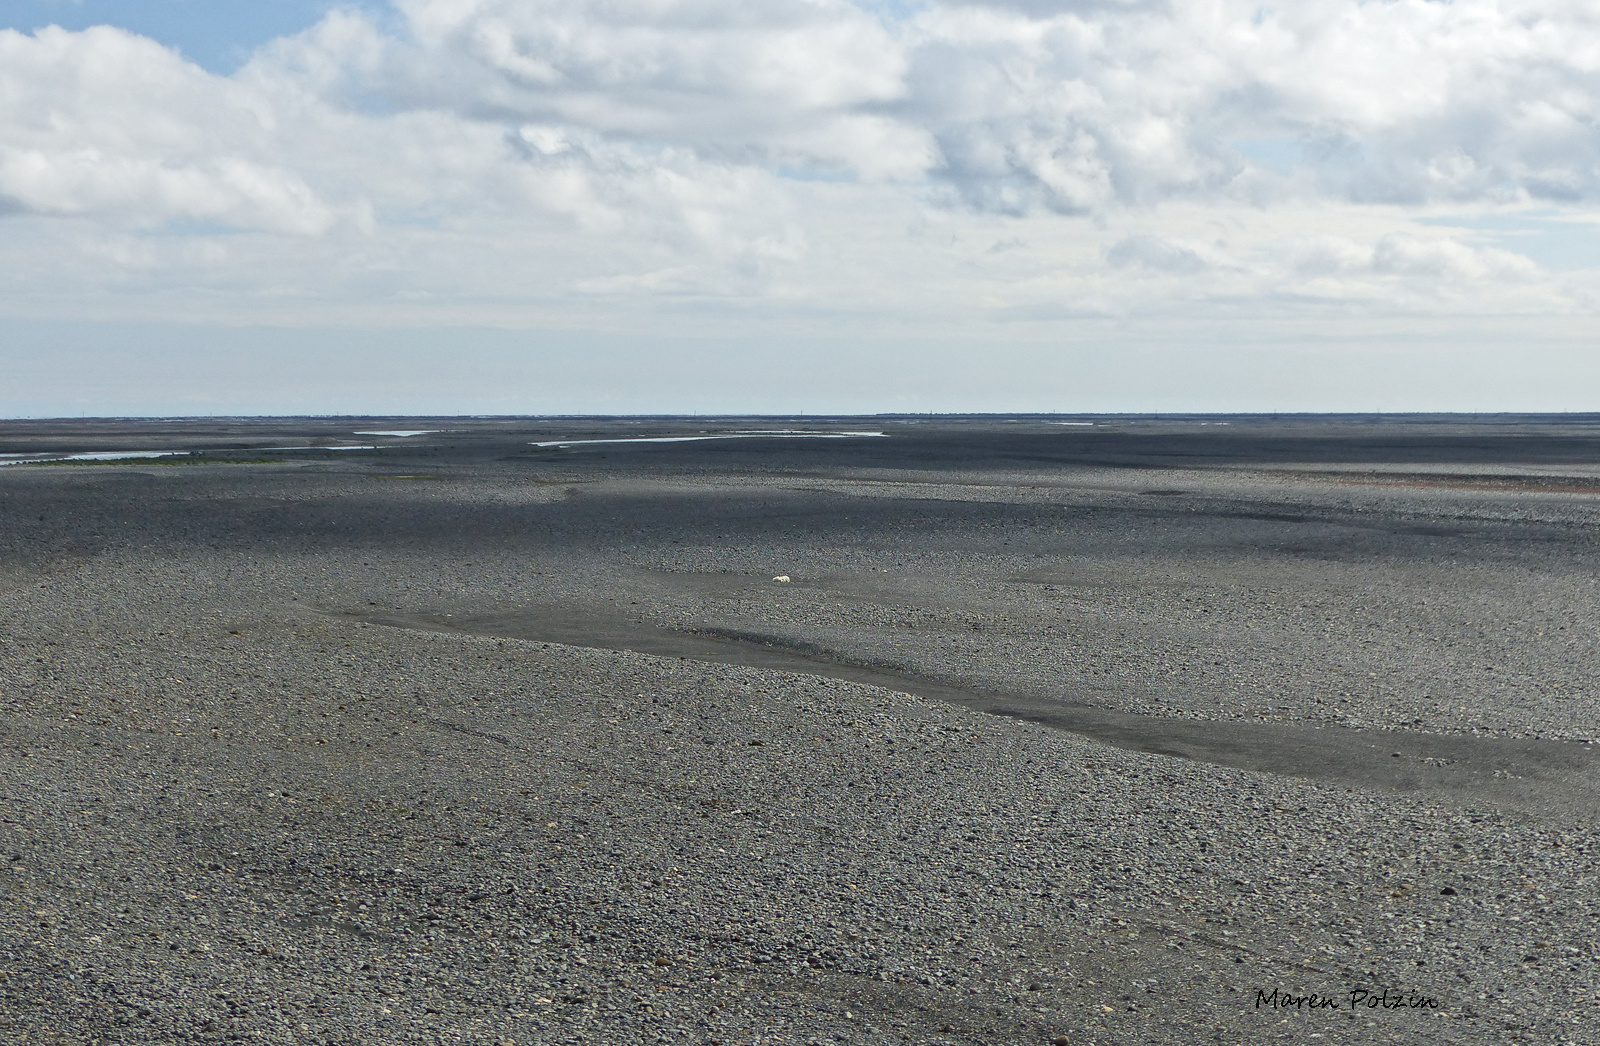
1105	728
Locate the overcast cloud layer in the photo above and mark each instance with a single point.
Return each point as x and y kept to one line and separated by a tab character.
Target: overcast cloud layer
821	165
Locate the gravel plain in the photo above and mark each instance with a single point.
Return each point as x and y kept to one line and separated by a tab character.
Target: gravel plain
468	741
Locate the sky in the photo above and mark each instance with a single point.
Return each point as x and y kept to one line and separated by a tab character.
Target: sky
784	206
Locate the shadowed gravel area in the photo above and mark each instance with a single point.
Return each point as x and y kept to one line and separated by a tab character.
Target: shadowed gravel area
1558	778
1144	732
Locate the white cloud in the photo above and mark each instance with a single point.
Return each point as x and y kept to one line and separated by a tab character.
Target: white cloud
1431	257
1072	106
559	158
110	124
1081	106
1404	254
779	82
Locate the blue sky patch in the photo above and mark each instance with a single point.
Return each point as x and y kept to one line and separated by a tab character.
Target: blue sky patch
1550	238
219	35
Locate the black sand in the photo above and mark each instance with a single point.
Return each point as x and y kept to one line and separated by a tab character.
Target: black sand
1095	732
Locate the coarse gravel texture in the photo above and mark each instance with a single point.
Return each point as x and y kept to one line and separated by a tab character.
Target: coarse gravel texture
239	806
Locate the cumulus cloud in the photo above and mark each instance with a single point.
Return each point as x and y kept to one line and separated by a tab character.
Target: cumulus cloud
1082	106
1404	255
107	123
1069	105
779	82
1076	106
1408	255
728	148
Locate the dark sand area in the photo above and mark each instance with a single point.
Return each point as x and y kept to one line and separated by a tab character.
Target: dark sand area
1099	731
